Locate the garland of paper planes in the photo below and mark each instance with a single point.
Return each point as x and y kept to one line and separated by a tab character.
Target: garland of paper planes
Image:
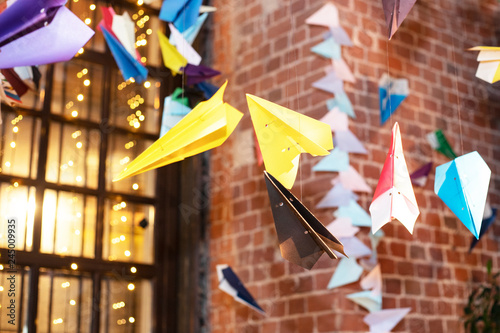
394	198
28	27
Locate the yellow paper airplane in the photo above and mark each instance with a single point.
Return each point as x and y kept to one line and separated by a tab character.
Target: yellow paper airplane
207	126
172	59
283	134
489	63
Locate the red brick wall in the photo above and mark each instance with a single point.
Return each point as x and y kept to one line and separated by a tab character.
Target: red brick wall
262	48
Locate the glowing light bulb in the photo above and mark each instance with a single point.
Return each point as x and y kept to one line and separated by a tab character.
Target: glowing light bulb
74	113
13	144
72	302
123	204
131	286
140	2
15	129
92	7
147	84
85	71
7	164
133	269
80	51
135	186
122	238
80	97
16	184
1	288
79	145
65	284
77	232
78	178
124	218
74	266
127	253
70	163
1	267
60	320
87	21
131	320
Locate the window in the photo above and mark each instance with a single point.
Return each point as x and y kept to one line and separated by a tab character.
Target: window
93	255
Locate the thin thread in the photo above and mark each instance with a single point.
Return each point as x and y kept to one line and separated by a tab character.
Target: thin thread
389	84
458	96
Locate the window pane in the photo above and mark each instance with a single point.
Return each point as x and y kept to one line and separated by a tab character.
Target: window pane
135	107
77	90
18	203
64	302
68	224
126	306
73	156
128	232
122	150
20	136
13	294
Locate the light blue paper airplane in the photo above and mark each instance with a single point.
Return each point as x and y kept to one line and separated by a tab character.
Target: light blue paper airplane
328	49
191	32
330	83
367	299
347	141
354	248
392	92
173	112
343	103
348	271
338	160
337	196
128	65
463	184
375	240
182	13
359	217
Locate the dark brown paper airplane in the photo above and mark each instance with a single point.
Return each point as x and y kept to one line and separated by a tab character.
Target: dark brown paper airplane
302	238
395	13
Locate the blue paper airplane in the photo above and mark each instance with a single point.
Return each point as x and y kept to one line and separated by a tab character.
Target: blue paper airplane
182	13
463	184
392	92
348	271
486	224
328	49
338	160
358	215
342	102
128	65
208	89
191	32
231	284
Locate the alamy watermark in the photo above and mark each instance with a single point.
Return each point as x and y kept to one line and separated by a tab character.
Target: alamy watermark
11	270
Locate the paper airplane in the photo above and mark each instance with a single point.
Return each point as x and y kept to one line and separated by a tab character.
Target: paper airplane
129	66
489	63
173	112
394	198
337	196
347	272
419	176
302	238
232	285
283	135
337	120
355	248
392	92
16	83
385	320
123	28
328	48
330	83
395	13
373	281
197	74
207	89
7	93
356	213
28	27
182	13
438	142
485	225
462	184
172	59
369	264
352	180
340	36
338	160
207	126
30	75
367	300
184	48
327	16
342	102
348	142
343	71
192	32
342	227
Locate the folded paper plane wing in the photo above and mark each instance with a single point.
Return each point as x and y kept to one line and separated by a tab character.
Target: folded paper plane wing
302	238
347	271
196	74
392	92
489	63
359	217
367	300
419	176
207	126
385	320
172	59
395	12
327	16
232	285
283	135
438	142
337	161
28	27
463	184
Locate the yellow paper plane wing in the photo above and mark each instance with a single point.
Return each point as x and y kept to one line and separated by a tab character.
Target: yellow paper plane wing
172	59
207	126
283	135
489	63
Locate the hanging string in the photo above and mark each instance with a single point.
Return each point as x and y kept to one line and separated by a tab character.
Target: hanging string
389	85
458	95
